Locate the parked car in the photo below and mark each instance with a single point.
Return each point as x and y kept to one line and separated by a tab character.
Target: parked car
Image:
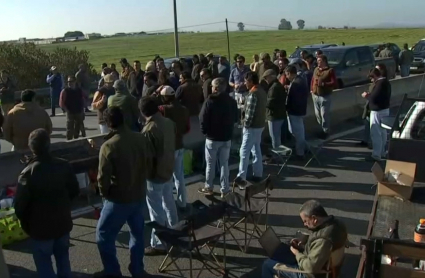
352	64
419	57
309	48
169	61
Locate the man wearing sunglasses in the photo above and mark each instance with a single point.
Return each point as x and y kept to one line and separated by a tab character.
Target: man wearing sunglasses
237	80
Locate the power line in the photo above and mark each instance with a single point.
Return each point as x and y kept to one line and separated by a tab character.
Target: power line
255	25
185	27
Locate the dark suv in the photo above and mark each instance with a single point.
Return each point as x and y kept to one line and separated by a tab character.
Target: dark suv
419	57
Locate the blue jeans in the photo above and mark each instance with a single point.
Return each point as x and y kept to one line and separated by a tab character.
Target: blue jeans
377	133
251	143
179	178
162	207
112	219
275	130
220	150
366	134
296	127
269	272
42	254
322	110
54	100
404	70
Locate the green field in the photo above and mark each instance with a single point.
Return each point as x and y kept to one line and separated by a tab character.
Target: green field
245	43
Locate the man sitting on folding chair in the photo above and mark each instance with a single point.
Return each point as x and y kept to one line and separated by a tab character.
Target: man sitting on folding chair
312	259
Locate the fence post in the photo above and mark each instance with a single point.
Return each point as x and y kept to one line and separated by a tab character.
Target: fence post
228	41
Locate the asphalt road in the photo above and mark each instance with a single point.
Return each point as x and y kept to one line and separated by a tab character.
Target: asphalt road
342	183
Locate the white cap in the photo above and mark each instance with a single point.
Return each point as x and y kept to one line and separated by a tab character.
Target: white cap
52	68
167	91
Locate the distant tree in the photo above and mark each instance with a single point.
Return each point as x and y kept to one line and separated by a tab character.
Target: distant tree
142	33
284	25
345	27
70	34
320	27
241	26
301	24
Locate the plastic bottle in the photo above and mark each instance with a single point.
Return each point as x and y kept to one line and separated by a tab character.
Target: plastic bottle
419	236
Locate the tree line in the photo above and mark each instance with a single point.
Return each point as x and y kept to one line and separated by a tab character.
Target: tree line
287	25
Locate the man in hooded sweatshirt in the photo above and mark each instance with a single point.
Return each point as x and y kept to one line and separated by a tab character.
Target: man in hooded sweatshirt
24	118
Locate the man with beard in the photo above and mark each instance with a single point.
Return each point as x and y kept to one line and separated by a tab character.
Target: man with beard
135	82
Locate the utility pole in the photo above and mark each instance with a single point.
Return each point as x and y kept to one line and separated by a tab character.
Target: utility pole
176	31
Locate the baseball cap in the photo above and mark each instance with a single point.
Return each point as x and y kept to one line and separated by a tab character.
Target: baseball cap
167	91
268	73
52	68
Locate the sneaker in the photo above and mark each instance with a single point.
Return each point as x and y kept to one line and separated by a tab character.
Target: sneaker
52	115
152	251
224	194
206	191
241	183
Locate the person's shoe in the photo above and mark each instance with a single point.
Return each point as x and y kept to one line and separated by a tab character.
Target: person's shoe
102	274
241	183
87	110
152	251
52	115
362	144
224	194
206	191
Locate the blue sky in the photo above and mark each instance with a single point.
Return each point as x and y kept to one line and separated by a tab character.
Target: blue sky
52	18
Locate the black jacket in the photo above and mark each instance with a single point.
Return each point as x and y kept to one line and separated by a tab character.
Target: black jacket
43	198
135	83
218	117
379	97
298	93
276	99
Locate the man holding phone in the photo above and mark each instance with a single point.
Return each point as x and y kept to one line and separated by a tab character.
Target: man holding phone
327	235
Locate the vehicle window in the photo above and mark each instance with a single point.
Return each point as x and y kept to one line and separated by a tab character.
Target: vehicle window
351	58
418	129
364	56
297	52
407	116
419	47
334	57
395	48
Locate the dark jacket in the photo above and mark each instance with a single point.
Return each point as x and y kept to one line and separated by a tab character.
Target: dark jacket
380	96
276	100
46	188
218	117
298	93
123	162
7	95
207	88
72	100
262	69
196	72
213	67
190	96
135	83
56	82
128	105
180	116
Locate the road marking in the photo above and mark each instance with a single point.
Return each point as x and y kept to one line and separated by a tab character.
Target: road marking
197	178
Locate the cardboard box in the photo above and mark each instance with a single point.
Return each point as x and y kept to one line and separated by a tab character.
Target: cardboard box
400	185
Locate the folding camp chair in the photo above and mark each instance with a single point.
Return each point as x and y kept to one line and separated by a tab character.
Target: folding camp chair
192	235
283	154
249	207
332	270
314	147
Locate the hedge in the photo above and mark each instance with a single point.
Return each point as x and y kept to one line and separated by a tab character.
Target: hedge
29	64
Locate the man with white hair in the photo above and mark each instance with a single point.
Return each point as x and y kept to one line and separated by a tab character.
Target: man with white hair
217	118
127	103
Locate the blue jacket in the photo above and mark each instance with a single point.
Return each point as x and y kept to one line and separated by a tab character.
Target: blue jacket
56	82
296	103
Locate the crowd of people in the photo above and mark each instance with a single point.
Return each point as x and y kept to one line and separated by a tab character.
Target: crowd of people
145	116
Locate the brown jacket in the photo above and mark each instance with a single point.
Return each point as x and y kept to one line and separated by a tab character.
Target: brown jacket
323	81
191	96
24	118
160	133
123	162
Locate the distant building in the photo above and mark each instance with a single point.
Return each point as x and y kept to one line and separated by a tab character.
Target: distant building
73	39
36	41
93	36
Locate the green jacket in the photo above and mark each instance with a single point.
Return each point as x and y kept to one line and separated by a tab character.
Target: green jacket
128	105
330	236
123	162
160	133
276	102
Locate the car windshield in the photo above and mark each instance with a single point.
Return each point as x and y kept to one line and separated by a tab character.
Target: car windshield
334	57
297	53
419	47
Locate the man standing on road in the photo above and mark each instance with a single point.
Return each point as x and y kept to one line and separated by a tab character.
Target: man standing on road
7	92
23	119
55	80
237	78
100	101
83	82
254	121
379	104
127	103
296	106
190	95
224	70
405	59
218	117
173	110
72	101
212	65
206	82
275	107
323	83
123	162
160	134
45	190
135	81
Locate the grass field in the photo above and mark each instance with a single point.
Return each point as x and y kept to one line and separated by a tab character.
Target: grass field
245	43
